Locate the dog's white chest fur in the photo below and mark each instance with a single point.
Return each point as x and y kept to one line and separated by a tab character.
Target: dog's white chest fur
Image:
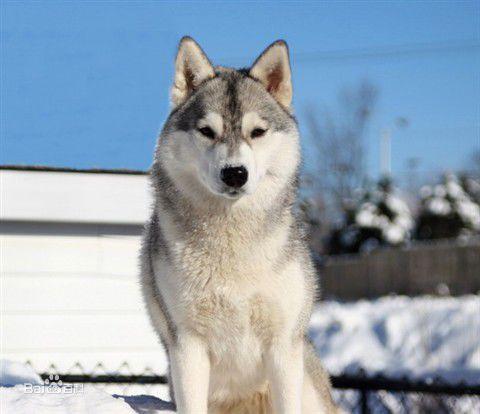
231	294
233	328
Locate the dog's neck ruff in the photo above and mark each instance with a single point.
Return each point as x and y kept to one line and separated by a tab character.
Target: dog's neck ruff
195	209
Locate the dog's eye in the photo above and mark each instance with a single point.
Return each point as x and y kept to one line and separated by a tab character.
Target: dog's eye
207	131
258	132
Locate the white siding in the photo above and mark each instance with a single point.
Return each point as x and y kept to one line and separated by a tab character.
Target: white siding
69	288
74	197
68	299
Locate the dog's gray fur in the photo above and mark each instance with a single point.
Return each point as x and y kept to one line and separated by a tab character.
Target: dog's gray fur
226	275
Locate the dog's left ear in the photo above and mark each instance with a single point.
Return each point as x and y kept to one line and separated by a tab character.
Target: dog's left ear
272	69
192	67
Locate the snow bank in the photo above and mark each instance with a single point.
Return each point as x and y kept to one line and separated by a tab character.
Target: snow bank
89	400
22	391
396	336
14	373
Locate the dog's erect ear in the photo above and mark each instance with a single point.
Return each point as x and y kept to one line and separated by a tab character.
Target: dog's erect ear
192	67
272	69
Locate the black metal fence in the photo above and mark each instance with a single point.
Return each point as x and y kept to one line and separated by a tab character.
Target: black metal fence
360	394
354	394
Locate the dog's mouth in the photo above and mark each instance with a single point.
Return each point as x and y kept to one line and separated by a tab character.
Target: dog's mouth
232	193
227	192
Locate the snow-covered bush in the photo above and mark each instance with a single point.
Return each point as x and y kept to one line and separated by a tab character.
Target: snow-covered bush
449	209
471	186
379	218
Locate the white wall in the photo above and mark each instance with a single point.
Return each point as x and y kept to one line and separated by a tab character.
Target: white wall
74	197
74	298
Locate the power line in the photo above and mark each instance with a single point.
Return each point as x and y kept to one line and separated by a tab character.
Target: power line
404	50
389	51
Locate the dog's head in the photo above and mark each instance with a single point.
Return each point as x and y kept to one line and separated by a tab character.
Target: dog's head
230	130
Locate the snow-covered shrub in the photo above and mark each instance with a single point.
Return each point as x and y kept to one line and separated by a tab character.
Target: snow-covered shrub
379	218
471	186
449	209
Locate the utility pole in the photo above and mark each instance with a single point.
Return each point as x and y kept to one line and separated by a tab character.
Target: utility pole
386	152
386	146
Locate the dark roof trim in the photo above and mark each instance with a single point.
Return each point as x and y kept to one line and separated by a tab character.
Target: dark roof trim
42	168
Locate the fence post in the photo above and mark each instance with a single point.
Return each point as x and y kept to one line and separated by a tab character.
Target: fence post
364	402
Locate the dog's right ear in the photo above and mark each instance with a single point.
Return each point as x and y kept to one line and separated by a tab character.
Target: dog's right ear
192	67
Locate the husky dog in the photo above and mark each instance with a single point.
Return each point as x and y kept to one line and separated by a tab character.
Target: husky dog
226	274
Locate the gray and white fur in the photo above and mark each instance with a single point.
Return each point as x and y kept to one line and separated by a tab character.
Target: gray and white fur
226	273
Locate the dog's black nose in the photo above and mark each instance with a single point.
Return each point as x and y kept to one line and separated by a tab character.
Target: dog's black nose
234	177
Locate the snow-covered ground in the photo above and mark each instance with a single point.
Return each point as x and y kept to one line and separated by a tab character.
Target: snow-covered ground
23	392
91	400
397	336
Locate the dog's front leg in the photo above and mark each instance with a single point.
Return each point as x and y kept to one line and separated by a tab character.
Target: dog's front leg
190	367
285	368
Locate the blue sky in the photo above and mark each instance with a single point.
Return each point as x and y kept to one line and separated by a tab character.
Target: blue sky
85	84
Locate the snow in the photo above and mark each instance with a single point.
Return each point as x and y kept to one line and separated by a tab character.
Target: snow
438	205
421	338
23	392
14	373
394	234
470	212
472	187
440	191
89	400
396	336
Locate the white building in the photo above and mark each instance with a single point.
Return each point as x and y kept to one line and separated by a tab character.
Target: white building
69	287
